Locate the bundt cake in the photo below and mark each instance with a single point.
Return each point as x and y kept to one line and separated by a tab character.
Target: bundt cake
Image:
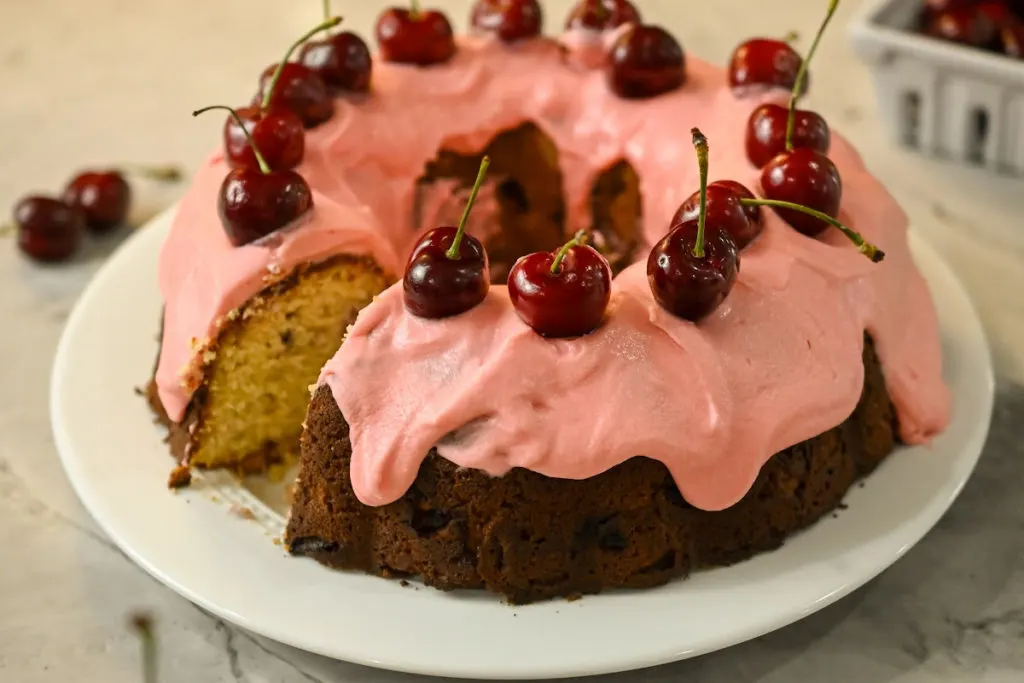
566	432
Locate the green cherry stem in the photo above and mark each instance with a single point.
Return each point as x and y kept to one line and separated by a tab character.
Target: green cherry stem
264	166
142	624
414	12
327	12
801	75
701	144
453	252
578	240
791	37
863	246
323	26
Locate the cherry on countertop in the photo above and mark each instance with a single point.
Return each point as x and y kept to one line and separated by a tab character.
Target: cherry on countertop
102	197
48	229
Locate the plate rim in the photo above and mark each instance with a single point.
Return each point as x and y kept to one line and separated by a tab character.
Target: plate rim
922	250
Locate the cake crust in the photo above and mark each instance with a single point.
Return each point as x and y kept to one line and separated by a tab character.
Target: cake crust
529	537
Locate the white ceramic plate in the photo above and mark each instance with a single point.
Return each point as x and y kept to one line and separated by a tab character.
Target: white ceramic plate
229	565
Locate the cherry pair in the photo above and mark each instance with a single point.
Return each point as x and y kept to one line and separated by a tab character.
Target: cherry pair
559	294
51	229
987	24
694	267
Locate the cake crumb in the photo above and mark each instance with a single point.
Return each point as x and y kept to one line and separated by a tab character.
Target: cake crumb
574	597
243	511
278	541
403	583
181	476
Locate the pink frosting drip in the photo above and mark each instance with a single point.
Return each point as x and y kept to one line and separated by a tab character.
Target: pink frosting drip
779	363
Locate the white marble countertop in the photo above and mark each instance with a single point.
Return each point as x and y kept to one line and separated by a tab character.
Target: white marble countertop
107	81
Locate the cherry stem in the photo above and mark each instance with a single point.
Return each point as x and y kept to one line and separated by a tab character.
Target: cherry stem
327	11
578	240
454	251
801	75
791	37
264	166
415	11
701	144
863	246
143	626
323	26
161	174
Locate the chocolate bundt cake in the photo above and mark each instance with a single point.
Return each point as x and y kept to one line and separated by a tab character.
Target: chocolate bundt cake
693	422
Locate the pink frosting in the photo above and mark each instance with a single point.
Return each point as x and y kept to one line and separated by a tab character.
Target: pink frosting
779	363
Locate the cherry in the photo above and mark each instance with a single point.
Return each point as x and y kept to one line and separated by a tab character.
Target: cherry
414	36
601	15
341	60
694	267
512	20
964	26
772	130
765	62
806	177
646	61
935	6
292	86
48	229
1013	40
278	134
998	12
724	210
766	132
448	272
564	293
740	190
254	202
102	197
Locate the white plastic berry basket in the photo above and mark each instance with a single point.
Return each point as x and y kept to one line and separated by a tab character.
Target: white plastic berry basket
943	100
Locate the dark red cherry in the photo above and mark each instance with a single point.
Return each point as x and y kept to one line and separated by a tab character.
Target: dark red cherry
766	132
48	229
253	204
563	293
102	197
342	61
964	26
765	62
998	12
437	286
1012	39
299	90
808	178
600	15
753	212
646	61
689	286
448	272
936	6
725	211
511	20
414	36
278	134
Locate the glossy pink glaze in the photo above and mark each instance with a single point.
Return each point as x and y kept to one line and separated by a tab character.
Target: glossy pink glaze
777	364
